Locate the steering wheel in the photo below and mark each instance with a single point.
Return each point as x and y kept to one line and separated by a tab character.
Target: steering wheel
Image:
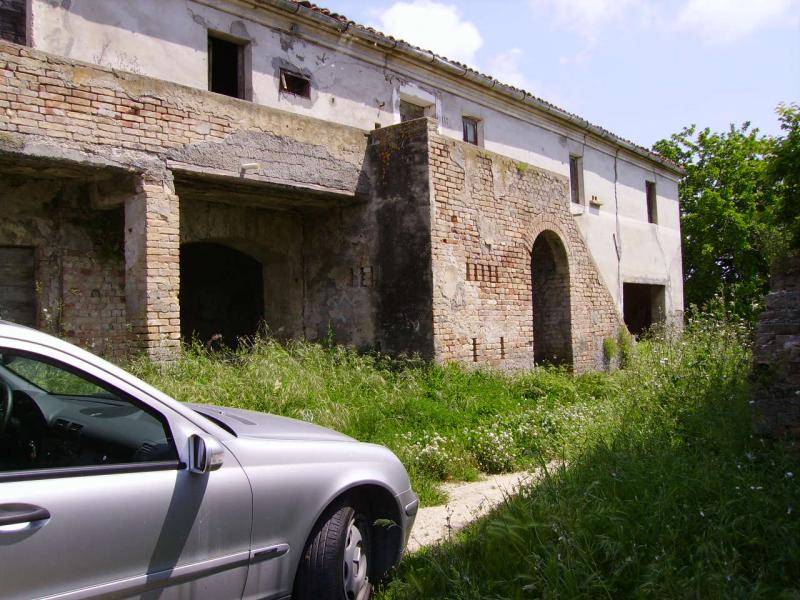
6	403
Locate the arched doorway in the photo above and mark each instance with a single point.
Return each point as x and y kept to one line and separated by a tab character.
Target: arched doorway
222	293
552	311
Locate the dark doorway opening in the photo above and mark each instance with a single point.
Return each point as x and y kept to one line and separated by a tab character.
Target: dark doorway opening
222	294
643	306
18	285
552	311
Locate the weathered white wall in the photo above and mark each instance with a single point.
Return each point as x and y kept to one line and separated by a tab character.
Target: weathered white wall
362	87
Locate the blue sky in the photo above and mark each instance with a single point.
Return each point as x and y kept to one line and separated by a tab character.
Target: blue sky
641	68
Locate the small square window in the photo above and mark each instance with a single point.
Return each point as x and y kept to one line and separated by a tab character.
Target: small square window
470	130
652	205
295	84
575	176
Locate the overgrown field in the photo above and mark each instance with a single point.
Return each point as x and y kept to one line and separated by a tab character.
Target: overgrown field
664	492
678	500
443	422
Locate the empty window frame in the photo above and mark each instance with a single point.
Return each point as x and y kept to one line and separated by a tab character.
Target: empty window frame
410	111
652	205
471	127
13	21
226	67
576	179
295	84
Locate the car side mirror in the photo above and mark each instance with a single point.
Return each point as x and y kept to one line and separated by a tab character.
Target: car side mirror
205	454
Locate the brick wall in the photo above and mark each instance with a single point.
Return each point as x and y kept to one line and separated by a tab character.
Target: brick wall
12	21
489	211
63	115
94	314
79	276
777	356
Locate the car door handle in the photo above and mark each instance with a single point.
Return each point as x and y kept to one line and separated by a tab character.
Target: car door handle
16	514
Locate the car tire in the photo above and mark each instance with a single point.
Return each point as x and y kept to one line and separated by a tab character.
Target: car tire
336	562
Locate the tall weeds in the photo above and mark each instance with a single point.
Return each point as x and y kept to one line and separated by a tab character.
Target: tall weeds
676	500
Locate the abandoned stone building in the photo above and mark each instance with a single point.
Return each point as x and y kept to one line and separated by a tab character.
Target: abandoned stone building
179	168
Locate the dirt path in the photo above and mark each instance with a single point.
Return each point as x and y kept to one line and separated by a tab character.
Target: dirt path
467	502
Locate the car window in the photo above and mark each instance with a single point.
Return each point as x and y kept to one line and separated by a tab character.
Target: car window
53	416
52	379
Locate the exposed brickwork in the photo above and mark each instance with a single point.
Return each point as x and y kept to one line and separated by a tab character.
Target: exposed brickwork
777	356
94	314
79	275
152	267
409	213
488	209
86	118
12	21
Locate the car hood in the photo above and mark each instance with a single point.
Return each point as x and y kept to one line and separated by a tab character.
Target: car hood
252	424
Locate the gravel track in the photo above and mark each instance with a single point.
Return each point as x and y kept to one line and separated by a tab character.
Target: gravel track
467	502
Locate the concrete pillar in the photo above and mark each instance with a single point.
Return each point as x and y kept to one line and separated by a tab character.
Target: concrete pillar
152	267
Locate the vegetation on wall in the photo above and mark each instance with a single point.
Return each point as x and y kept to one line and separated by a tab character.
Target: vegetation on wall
739	212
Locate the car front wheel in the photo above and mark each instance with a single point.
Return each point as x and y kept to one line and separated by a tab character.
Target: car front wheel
336	562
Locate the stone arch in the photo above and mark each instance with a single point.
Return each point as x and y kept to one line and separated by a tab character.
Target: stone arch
551	299
221	293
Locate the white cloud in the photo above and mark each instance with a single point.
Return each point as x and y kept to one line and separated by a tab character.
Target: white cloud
433	26
588	17
506	67
509	67
721	21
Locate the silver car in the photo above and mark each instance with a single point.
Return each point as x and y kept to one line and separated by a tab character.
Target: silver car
111	489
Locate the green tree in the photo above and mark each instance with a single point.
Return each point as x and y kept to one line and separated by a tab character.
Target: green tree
727	203
784	174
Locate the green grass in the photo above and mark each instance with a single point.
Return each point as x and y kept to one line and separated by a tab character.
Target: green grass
444	422
664	492
680	501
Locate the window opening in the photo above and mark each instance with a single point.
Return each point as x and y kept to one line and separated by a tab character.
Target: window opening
470	130
13	21
226	67
575	168
410	111
296	84
652	212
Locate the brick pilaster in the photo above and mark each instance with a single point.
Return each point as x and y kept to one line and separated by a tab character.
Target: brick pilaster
152	267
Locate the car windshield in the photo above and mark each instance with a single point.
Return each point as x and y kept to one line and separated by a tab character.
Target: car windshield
51	379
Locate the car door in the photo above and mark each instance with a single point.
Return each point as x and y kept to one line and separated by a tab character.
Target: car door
86	518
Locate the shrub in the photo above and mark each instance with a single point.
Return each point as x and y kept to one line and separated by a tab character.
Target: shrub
493	447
